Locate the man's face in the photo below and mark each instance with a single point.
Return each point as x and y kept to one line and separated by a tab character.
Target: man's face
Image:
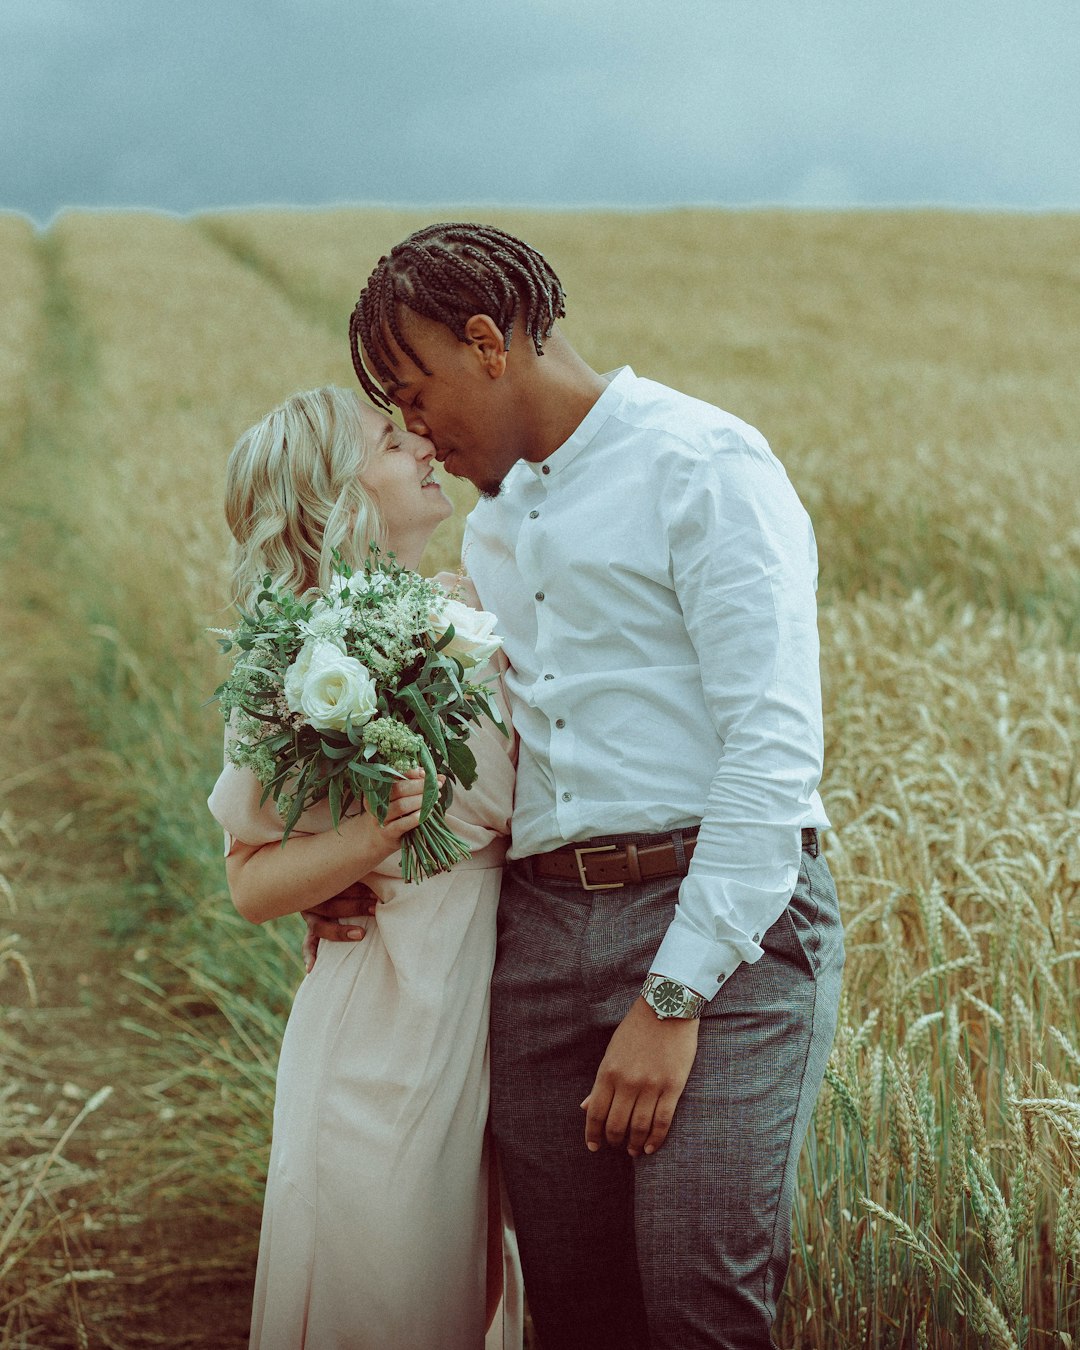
460	407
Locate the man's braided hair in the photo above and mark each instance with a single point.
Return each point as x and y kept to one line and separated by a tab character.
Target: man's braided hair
448	273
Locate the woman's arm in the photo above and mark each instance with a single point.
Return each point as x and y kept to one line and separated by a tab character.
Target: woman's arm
270	880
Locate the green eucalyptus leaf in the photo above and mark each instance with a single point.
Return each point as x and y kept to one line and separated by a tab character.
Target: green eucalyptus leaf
462	762
428	725
431	783
337	751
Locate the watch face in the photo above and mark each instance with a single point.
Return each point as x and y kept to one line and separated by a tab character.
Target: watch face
669	998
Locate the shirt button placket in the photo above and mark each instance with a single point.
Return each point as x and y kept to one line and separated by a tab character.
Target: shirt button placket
540	596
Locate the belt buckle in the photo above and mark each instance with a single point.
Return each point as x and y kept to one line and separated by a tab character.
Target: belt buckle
586	885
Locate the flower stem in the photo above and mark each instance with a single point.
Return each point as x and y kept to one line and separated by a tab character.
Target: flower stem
431	848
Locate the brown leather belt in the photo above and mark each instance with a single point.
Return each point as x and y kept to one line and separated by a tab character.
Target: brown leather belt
604	867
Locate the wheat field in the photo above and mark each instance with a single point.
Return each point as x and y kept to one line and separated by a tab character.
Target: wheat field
916	372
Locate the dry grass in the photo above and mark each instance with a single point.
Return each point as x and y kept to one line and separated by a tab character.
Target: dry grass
916	373
22	329
90	1160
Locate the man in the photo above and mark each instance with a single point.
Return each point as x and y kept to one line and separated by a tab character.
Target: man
668	974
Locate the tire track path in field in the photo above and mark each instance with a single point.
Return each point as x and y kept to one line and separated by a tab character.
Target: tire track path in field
99	1258
311	305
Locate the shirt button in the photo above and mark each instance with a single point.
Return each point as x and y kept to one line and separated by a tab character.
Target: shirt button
757	937
568	796
533	515
560	721
546	468
549	677
721	977
539	595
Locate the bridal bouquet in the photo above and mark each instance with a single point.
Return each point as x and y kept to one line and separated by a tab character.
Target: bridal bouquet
335	697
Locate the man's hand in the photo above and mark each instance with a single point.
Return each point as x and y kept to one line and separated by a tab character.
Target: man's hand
640	1081
355	901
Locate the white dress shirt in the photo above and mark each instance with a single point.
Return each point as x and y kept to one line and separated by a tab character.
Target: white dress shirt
654	581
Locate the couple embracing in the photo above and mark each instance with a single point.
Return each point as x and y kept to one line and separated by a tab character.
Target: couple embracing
611	1023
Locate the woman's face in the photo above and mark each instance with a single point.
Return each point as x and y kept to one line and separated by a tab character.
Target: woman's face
398	474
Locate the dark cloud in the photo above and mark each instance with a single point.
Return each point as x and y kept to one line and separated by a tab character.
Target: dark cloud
316	101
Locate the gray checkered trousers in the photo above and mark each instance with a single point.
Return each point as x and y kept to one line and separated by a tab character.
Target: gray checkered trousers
690	1247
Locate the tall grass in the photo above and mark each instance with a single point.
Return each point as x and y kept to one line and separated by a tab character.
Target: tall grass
915	372
943	1161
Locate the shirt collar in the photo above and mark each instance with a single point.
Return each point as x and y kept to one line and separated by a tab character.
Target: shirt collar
610	401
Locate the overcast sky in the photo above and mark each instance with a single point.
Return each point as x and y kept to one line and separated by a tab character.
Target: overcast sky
188	104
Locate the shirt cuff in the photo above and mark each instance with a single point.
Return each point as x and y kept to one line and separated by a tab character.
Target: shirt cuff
701	965
738	914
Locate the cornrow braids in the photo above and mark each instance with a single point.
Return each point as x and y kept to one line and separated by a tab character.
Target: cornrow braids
449	272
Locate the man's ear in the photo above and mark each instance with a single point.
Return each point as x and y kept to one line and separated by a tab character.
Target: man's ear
486	340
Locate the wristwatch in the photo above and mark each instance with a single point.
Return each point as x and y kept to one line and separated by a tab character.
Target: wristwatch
669	998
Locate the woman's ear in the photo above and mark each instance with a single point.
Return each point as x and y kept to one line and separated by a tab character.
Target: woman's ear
485	338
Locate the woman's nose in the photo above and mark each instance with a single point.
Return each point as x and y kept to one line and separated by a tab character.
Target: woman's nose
424	449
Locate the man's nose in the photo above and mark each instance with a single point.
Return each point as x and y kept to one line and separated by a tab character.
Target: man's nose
416	424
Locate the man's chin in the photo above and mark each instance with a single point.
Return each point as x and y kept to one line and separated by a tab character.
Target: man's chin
487	487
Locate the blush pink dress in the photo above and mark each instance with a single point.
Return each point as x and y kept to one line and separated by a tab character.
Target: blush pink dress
375	1222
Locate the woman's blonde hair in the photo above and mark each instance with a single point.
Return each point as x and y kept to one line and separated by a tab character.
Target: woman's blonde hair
293	494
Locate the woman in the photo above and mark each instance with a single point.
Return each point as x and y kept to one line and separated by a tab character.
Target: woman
375	1228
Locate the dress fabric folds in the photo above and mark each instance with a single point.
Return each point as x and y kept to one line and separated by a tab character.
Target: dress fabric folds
375	1222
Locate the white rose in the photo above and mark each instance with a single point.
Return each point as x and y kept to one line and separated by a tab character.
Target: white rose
297	673
475	640
328	687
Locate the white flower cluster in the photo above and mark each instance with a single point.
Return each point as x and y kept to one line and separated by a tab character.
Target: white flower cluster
387	618
388	635
329	621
